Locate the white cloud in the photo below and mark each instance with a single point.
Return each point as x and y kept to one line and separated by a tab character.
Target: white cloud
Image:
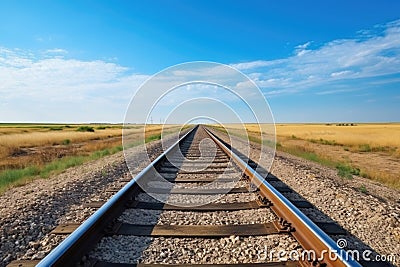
302	49
48	86
257	64
341	73
56	51
62	86
372	54
336	91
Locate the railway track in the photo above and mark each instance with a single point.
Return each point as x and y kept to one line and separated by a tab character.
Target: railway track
205	211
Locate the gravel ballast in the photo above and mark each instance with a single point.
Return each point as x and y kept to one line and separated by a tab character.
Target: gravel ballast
233	249
28	213
372	218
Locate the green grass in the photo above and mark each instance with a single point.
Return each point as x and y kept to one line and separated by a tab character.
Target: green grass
60	165
308	155
152	138
8	177
344	170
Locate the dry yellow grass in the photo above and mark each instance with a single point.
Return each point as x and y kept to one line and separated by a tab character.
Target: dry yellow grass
29	151
22	145
376	135
33	138
372	148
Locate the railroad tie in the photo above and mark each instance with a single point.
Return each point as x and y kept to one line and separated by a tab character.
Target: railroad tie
199	230
208	207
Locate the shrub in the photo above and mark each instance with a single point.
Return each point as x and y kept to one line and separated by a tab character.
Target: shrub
56	128
85	129
66	142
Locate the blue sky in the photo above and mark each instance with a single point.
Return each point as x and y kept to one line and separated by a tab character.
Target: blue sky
315	61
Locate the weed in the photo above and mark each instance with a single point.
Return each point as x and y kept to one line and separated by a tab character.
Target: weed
363	189
364	148
347	171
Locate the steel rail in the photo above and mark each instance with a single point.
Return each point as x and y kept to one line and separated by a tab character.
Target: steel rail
66	253
306	232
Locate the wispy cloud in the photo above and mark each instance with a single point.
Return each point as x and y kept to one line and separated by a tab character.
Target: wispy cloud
336	91
56	51
373	53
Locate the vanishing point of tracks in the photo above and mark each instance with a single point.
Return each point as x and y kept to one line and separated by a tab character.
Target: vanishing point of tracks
213	216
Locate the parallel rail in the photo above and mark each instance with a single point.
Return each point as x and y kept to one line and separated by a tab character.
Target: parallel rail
306	232
292	220
70	251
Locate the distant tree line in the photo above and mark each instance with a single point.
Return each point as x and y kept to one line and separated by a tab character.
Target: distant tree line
342	124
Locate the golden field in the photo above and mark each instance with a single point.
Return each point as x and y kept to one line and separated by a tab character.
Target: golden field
28	151
377	136
369	150
23	144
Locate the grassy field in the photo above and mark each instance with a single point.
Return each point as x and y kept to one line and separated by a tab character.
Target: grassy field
369	150
28	151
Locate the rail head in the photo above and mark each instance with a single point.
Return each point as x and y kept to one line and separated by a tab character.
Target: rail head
307	233
65	253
